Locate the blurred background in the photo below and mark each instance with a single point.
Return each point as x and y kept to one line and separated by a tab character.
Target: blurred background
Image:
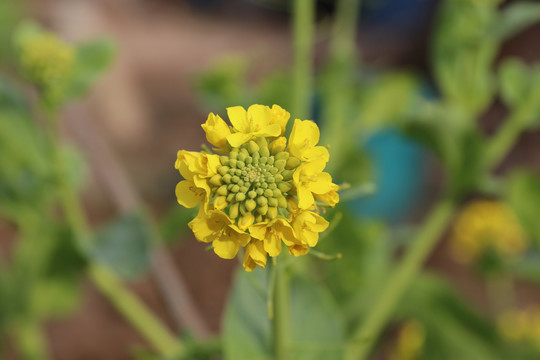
177	60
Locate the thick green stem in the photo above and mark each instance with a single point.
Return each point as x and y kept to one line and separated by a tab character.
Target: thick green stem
135	311
107	282
365	335
31	341
281	328
303	29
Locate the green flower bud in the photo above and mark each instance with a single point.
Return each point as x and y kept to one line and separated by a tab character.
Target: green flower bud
262	209
280	164
264	152
240	182
230	197
233	210
262	142
274	171
223	170
260	191
262	201
270	179
250	204
240	164
268	193
222	190
272	202
252	194
232	163
282	155
292	163
256	157
215	180
272	212
233	154
240	196
235	179
271	160
235	188
252	147
244	189
287	174
272	186
282	202
224	160
258	218
277	193
264	185
278	177
226	178
263	160
284	187
248	161
241	157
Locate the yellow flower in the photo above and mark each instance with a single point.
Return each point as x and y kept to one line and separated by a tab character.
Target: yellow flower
216	130
483	225
307	226
309	179
272	233
251	124
260	192
255	255
48	62
216	227
279	116
196	168
304	138
331	197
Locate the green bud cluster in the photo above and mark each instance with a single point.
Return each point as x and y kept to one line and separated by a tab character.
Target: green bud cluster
254	180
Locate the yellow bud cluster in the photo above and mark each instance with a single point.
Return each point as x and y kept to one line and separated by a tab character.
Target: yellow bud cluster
260	190
47	61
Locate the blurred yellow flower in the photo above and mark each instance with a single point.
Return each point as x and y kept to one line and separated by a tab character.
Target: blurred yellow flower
516	325
483	225
47	61
257	194
410	341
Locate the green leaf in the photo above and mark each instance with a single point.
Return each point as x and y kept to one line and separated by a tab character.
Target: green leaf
124	246
317	328
516	17
513	81
93	58
523	195
174	224
316	323
246	328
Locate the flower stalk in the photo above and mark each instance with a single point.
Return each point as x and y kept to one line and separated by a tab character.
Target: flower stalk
365	335
281	325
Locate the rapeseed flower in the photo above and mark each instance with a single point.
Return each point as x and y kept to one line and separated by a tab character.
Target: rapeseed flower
259	191
487	225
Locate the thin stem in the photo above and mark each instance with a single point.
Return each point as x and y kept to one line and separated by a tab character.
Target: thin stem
338	87
365	335
131	308
126	303
303	29
281	311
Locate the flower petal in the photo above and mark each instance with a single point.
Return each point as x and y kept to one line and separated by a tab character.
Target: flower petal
225	248
238	139
216	130
187	194
238	118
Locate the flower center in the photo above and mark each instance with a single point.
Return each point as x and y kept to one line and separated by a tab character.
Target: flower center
253	183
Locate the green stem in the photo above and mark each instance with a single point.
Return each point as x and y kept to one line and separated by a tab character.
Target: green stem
502	142
108	283
31	341
281	311
135	311
365	335
341	68
303	29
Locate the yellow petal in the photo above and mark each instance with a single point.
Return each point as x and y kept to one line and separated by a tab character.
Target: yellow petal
255	255
321	183
238	139
225	248
305	198
269	130
258	117
278	145
216	130
238	118
298	250
272	244
201	226
188	194
279	116
304	136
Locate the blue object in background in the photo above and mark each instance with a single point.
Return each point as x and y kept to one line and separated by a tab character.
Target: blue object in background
398	170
